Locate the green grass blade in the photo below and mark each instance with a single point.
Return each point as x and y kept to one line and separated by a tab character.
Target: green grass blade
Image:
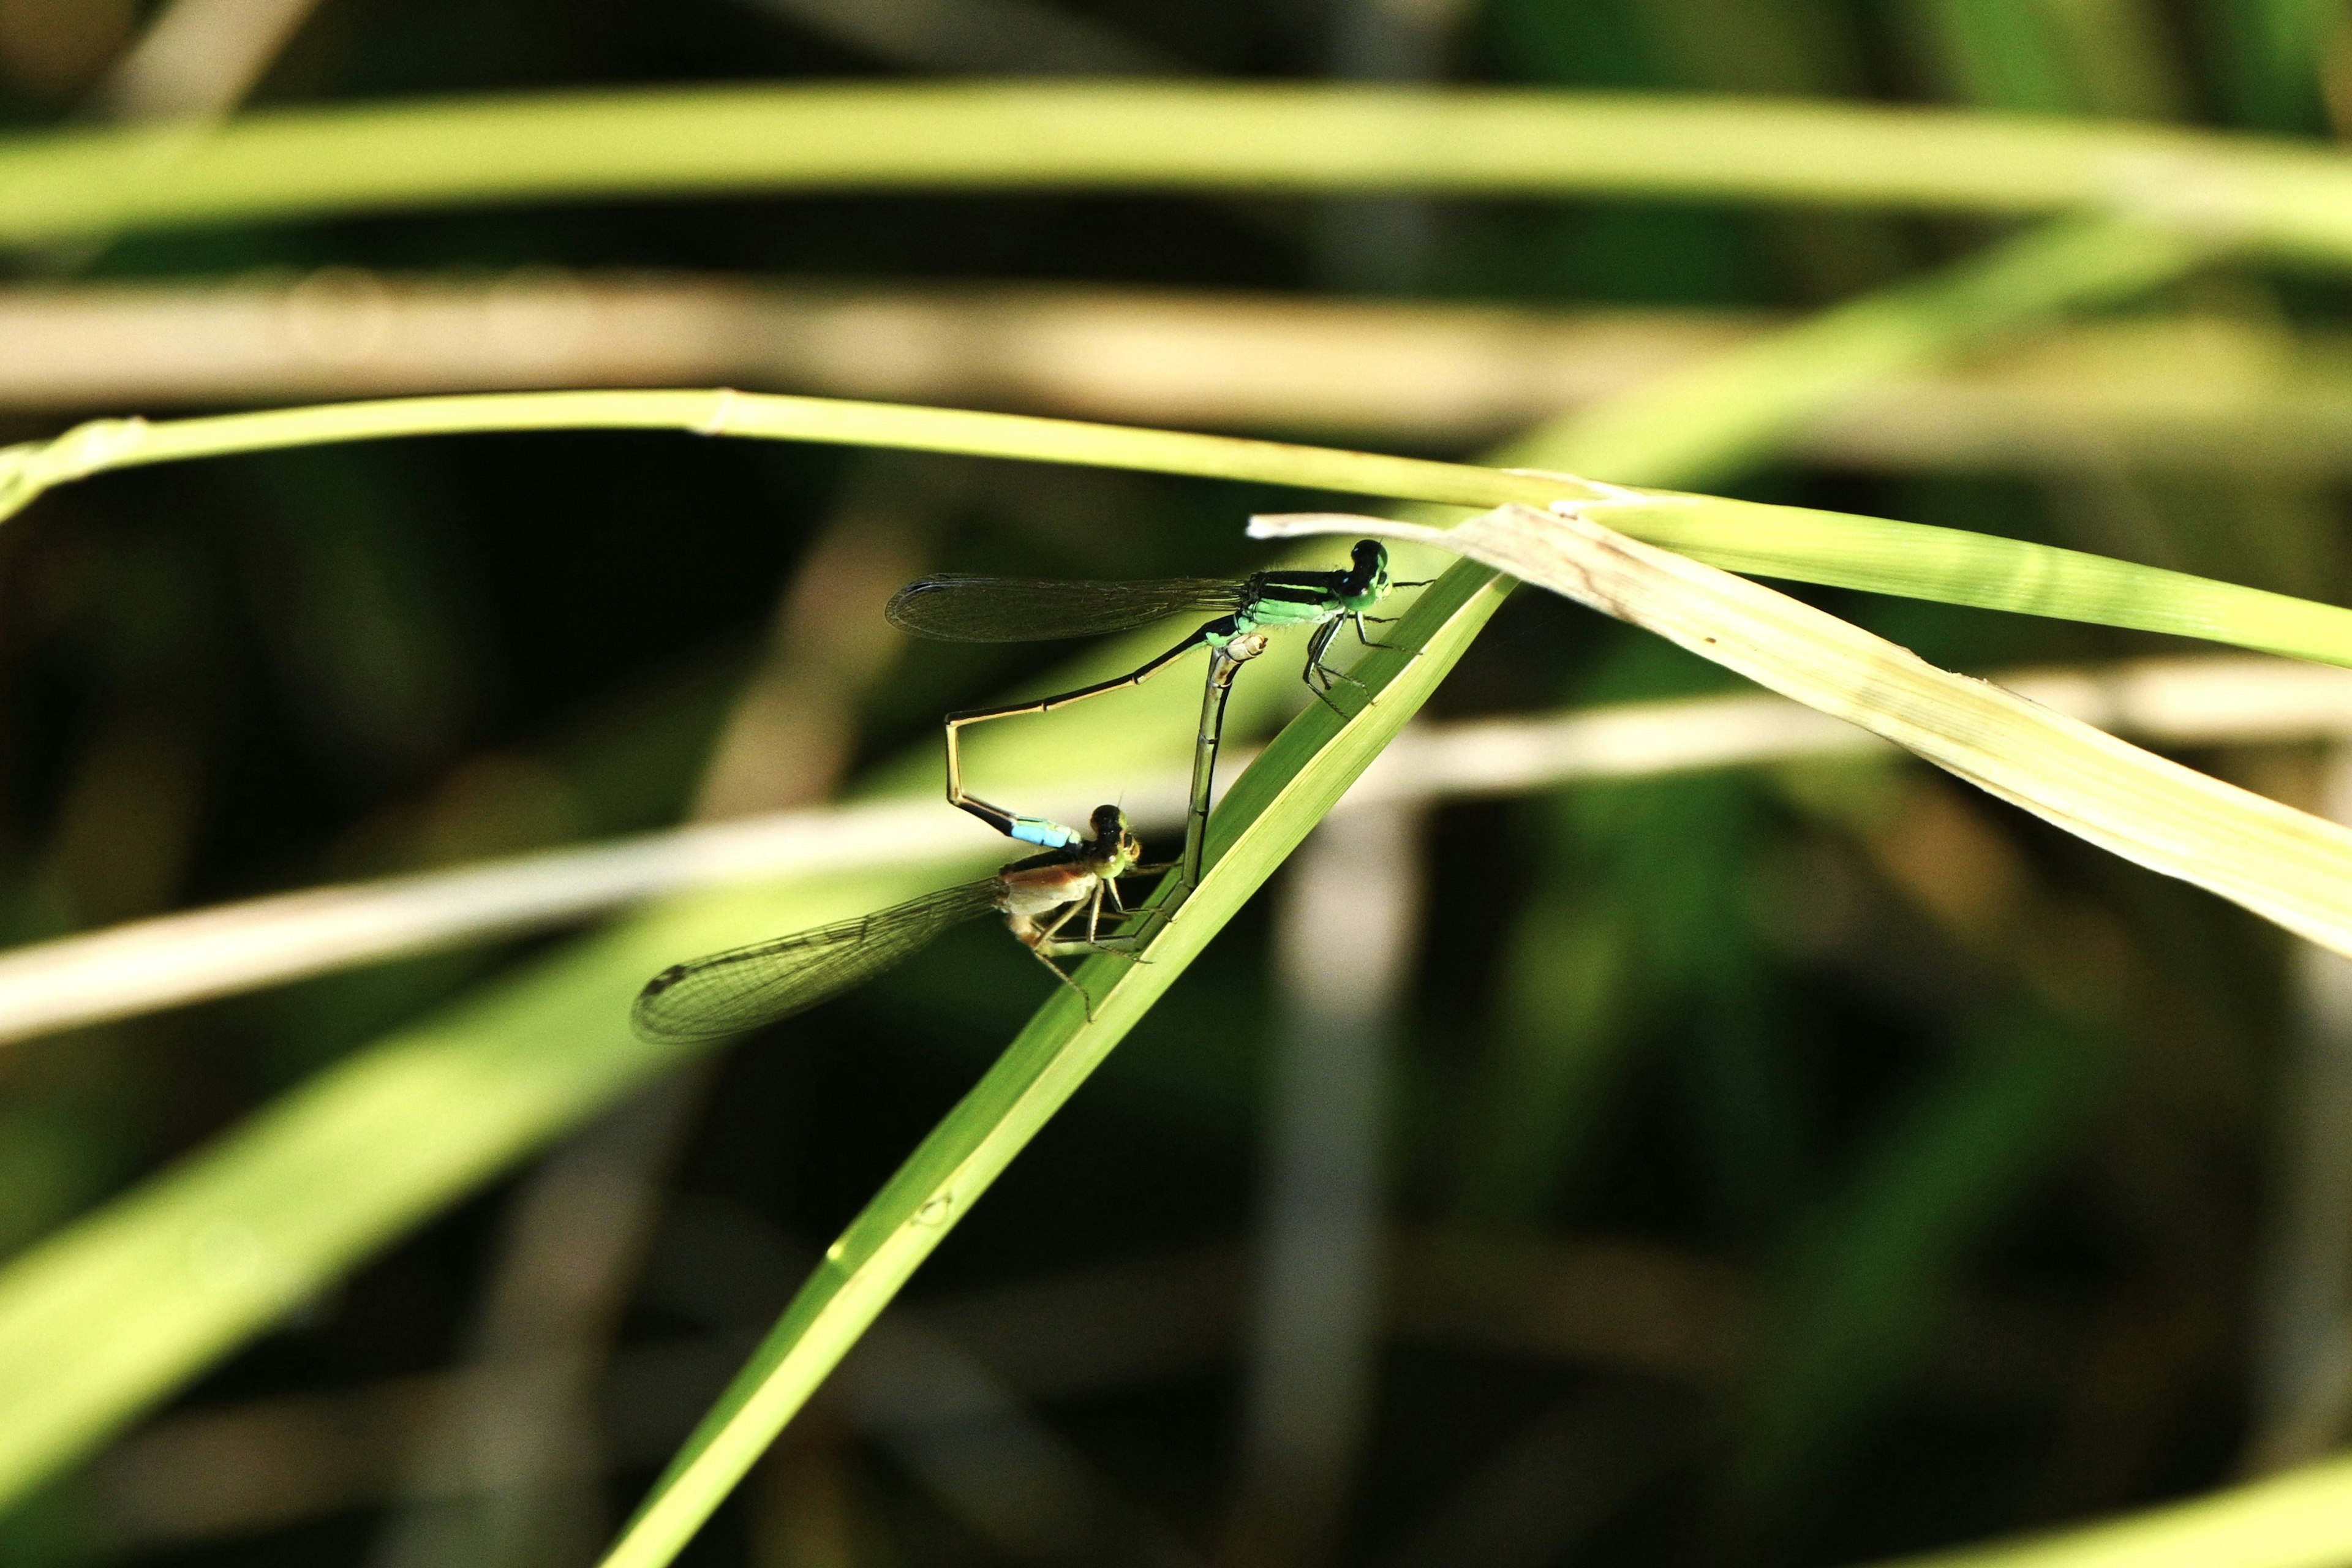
134	1299
1987	571
1253	139
2287	865
105	1316
2303	1519
257	1183
1707	419
1834	548
1269	809
125	1305
220	950
103	445
1692	428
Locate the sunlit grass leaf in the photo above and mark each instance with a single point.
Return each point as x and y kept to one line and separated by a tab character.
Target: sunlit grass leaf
127	1304
105	1316
2287	865
1836	548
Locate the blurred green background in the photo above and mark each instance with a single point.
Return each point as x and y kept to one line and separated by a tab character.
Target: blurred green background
1791	1165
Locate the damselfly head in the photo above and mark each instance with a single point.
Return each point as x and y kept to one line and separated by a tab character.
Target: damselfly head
1111	837
1371	571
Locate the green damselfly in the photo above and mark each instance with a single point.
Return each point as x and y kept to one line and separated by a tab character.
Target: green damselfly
1027	609
743	988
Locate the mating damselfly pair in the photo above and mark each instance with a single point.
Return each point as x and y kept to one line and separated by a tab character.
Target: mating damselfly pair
1049	898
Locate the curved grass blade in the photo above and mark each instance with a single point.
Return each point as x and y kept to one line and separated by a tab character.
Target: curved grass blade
111	1314
1844	551
1037	609
104	1317
1268	811
2287	865
167	961
745	987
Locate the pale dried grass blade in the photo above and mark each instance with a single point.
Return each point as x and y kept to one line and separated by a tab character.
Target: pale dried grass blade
171	960
2285	865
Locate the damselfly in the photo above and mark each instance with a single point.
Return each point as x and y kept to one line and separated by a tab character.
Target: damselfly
746	987
1025	609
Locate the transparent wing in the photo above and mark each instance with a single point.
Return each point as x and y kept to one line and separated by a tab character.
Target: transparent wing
744	987
1035	609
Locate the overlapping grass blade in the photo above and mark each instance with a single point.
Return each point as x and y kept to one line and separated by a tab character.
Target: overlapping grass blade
125	1305
111	1313
1834	548
170	960
1267	812
108	1314
235	1240
1704	421
2287	865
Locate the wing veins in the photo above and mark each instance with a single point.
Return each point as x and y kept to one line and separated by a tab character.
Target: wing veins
741	988
1037	609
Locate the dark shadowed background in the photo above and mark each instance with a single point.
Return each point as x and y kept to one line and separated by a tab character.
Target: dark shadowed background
1789	1165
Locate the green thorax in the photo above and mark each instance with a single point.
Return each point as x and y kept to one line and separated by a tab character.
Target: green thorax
1310	598
1374	590
1272	614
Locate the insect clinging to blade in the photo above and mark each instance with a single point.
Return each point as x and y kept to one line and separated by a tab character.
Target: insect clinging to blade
1041	898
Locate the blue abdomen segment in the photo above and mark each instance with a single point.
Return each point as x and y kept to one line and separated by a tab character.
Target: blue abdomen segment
1043	832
